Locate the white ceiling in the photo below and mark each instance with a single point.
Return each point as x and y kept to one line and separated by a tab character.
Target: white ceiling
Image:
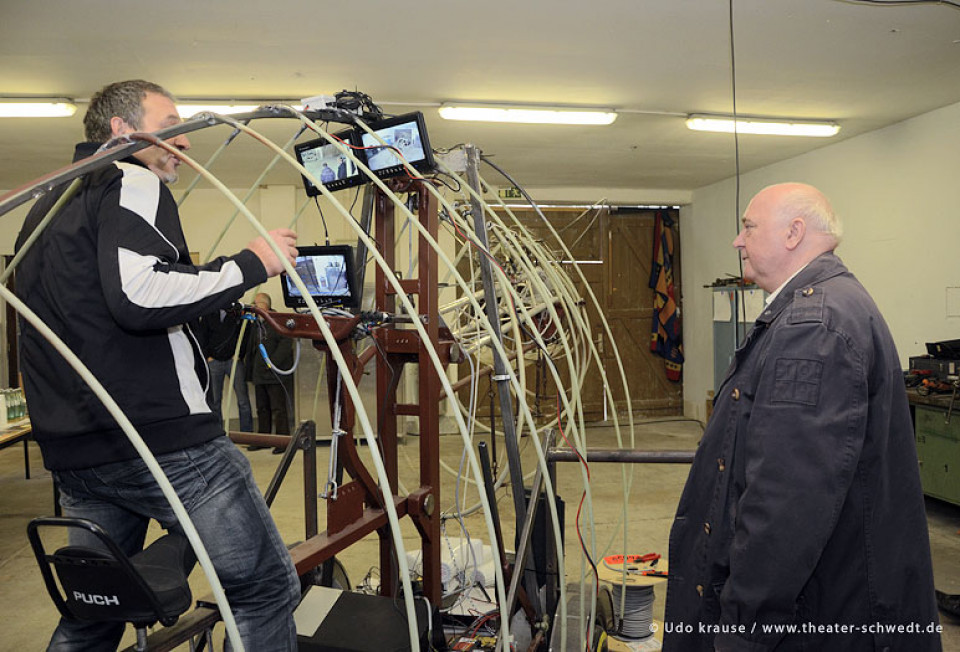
865	66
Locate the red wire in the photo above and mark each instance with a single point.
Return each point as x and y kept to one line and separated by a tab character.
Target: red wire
482	621
396	150
583	545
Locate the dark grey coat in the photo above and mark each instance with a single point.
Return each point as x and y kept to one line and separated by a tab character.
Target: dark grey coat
804	506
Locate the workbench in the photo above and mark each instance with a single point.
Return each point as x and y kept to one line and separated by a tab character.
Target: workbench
15	432
938	444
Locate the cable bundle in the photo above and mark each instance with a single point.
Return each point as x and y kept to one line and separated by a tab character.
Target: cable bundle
637	616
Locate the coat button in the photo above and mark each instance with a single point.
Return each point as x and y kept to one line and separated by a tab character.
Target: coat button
706	528
735	394
700	590
720	464
808	292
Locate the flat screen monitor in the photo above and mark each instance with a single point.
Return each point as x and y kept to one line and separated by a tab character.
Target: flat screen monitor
328	164
404	133
329	274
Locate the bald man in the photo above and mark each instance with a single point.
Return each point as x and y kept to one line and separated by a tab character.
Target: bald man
802	524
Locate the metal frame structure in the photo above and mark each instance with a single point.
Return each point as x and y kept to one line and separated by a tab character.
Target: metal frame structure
357	510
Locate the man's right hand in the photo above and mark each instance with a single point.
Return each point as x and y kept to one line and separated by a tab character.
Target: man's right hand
286	240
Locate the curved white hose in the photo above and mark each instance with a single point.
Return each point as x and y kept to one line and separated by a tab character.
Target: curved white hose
512	377
411	311
165	487
334	349
626	474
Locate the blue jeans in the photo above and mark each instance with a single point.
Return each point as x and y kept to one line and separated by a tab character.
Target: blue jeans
218	491
219	370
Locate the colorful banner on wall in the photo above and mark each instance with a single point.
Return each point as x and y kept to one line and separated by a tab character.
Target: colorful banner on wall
666	337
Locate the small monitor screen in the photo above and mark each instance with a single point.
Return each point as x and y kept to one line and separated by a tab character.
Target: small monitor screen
406	134
328	274
328	164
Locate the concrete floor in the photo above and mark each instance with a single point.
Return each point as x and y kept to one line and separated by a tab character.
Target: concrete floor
29	617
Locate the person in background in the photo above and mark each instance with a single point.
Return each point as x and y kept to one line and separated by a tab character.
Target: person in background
218	334
273	391
326	174
803	512
111	275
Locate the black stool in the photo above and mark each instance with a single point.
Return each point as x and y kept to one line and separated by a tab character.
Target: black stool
104	585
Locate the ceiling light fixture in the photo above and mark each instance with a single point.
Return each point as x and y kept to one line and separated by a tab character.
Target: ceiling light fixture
36	108
762	126
527	114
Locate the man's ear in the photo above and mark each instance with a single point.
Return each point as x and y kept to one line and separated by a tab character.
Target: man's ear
118	126
796	232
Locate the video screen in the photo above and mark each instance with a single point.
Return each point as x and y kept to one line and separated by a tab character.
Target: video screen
328	164
407	134
405	137
327	273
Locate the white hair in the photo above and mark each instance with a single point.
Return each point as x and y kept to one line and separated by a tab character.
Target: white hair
810	204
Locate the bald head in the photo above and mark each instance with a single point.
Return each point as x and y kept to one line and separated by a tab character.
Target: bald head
785	226
799	200
263	301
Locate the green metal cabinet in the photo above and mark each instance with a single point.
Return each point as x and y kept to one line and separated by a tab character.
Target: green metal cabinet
938	450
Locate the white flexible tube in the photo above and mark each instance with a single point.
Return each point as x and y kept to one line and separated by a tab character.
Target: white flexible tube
513	380
54	210
580	443
626	474
178	509
575	314
251	191
348	153
411	311
334	349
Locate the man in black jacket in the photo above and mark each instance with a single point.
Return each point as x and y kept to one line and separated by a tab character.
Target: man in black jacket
274	391
219	332
802	523
112	276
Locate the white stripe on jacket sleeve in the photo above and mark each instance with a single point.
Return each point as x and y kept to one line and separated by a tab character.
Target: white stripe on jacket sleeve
185	363
147	287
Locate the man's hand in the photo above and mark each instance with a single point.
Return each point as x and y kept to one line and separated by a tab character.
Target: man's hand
285	239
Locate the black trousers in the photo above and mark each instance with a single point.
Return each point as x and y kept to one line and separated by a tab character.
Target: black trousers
273	408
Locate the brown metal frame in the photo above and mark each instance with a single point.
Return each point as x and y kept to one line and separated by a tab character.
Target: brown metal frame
359	509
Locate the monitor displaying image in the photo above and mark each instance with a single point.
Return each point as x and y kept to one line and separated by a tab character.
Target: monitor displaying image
405	134
328	275
328	164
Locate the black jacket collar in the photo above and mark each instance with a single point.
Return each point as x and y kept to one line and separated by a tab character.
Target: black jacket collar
86	149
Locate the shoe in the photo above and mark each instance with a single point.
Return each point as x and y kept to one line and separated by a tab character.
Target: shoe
252	447
279	451
949	603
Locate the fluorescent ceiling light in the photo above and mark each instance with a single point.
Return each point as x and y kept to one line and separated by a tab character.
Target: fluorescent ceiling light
11	108
526	115
763	126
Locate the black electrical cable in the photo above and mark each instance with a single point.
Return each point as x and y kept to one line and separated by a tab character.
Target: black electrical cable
357	101
326	233
356	196
437	177
738	308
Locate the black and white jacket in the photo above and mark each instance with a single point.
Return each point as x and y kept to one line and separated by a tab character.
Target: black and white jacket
112	276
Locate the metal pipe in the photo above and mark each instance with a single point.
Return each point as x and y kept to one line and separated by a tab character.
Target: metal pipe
622	456
125	146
